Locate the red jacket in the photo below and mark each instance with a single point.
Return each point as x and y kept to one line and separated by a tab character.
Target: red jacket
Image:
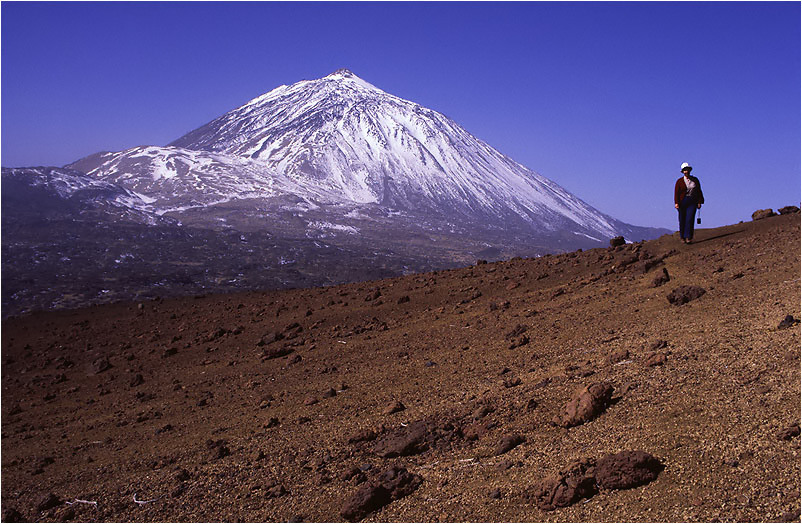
680	189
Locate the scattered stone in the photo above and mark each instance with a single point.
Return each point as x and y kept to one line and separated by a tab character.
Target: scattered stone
508	443
511	382
393	484
787	322
627	469
311	400
410	440
617	241
65	514
403	300
567	487
47	502
790	516
12	515
504	465
587	404
518	330
373	296
169	352
394	407
790	432
277	490
329	393
482	412
684	294
619	356
276	352
365	435
503	304
138	380
519	341
100	365
495	494
658	344
273	336
219	448
661	278
655	359
476	430
181	475
787	210
762	213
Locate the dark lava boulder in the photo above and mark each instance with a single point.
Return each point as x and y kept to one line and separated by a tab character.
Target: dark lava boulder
788	321
617	241
568	487
684	294
392	484
661	278
627	469
763	213
365	501
587	404
508	443
410	440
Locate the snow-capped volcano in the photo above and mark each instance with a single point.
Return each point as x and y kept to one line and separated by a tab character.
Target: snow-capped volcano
345	137
320	182
340	140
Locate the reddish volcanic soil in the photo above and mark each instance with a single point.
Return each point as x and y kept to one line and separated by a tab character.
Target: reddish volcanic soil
433	397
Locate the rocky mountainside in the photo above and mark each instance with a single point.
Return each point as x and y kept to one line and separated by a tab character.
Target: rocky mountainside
322	182
651	381
339	140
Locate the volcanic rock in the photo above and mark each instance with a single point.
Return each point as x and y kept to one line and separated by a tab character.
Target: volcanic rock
48	501
508	443
276	352
568	487
789	432
787	322
684	294
100	365
273	336
617	241
12	515
618	356
392	484
655	359
587	404
627	469
394	407
762	213
788	210
405	441
661	278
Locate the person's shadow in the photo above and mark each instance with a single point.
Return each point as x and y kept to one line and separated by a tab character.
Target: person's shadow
718	236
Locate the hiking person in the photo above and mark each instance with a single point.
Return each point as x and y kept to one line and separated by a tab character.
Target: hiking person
688	198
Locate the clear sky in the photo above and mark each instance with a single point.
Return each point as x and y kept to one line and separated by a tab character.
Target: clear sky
606	99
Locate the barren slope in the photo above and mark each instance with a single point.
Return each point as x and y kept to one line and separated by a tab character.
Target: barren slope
194	417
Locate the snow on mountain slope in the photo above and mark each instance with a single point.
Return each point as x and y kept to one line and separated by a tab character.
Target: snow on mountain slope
353	140
44	189
178	179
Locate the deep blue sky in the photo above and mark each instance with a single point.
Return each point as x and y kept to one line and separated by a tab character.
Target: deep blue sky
606	99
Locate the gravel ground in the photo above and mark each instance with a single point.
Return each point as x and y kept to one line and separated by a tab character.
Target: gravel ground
277	406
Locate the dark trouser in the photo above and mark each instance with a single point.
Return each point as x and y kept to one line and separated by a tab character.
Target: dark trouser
687	212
